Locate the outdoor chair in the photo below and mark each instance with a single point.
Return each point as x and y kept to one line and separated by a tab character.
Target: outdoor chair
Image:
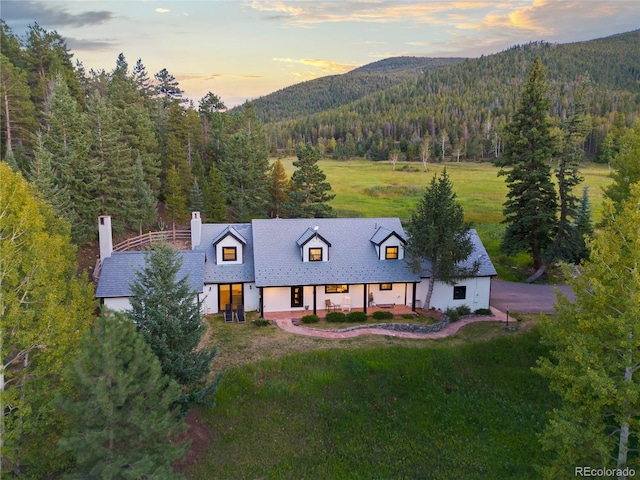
329	305
346	304
228	313
240	316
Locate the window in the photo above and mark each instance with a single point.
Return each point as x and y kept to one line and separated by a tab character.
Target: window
386	286
391	253
336	288
296	297
315	254
229	254
459	293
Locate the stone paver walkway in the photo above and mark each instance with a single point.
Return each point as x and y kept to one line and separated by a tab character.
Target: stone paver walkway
286	325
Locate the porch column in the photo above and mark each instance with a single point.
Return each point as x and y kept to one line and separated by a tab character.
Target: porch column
261	302
315	308
413	298
365	299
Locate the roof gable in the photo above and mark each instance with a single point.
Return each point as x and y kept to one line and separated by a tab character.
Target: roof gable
229	230
309	234
382	235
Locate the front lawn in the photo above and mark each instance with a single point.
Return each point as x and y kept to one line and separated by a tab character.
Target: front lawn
415	409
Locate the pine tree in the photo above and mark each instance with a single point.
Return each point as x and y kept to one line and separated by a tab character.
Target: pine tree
175	200
593	362
144	201
309	191
167	313
215	206
121	418
279	185
196	200
438	236
531	206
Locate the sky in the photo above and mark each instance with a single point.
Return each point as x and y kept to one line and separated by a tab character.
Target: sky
241	50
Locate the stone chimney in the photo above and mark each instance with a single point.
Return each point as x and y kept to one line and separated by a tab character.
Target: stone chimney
196	229
105	236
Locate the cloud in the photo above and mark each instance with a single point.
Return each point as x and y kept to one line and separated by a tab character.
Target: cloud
162	10
51	14
305	13
82	45
326	66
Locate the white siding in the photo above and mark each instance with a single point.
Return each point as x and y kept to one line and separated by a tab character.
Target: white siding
118	304
315	242
477	295
229	241
394	296
392	241
209	299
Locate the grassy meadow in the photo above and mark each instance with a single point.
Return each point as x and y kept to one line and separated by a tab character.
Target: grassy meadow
373	189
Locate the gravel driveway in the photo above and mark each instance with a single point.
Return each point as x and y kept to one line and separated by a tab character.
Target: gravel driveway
524	297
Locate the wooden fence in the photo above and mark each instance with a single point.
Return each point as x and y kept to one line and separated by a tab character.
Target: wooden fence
169	236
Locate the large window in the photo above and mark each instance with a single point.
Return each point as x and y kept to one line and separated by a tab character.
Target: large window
230	293
229	254
336	288
315	254
296	297
391	253
386	286
460	292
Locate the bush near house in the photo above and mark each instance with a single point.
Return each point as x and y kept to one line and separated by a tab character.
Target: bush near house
356	317
336	317
310	319
382	315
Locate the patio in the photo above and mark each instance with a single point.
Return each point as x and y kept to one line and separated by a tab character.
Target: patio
397	310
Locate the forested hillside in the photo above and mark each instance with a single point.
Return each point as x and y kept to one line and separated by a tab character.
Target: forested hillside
332	91
125	143
460	110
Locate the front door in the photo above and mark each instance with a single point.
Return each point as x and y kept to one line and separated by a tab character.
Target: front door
230	293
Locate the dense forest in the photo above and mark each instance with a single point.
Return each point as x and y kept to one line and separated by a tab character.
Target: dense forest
125	142
460	110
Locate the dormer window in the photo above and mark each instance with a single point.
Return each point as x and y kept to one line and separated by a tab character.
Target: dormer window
389	244
391	253
229	254
315	254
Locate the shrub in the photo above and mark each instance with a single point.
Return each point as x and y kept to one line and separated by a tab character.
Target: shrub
355	317
310	319
261	322
382	315
483	311
453	314
335	317
463	310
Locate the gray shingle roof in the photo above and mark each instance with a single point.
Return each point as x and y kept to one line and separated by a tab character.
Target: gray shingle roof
213	233
486	268
352	258
383	233
119	270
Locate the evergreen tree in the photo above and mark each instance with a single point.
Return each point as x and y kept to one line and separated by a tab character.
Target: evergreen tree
582	229
167	313
593	362
575	131
116	187
121	418
144	201
168	88
215	206
65	138
196	200
44	309
175	200
309	191
278	188
41	174
438	237
531	206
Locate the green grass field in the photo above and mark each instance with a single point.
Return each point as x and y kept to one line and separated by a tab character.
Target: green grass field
372	189
419	409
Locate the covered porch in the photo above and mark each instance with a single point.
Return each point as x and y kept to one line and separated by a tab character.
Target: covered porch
397	310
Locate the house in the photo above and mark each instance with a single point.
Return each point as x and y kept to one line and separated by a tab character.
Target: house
272	265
